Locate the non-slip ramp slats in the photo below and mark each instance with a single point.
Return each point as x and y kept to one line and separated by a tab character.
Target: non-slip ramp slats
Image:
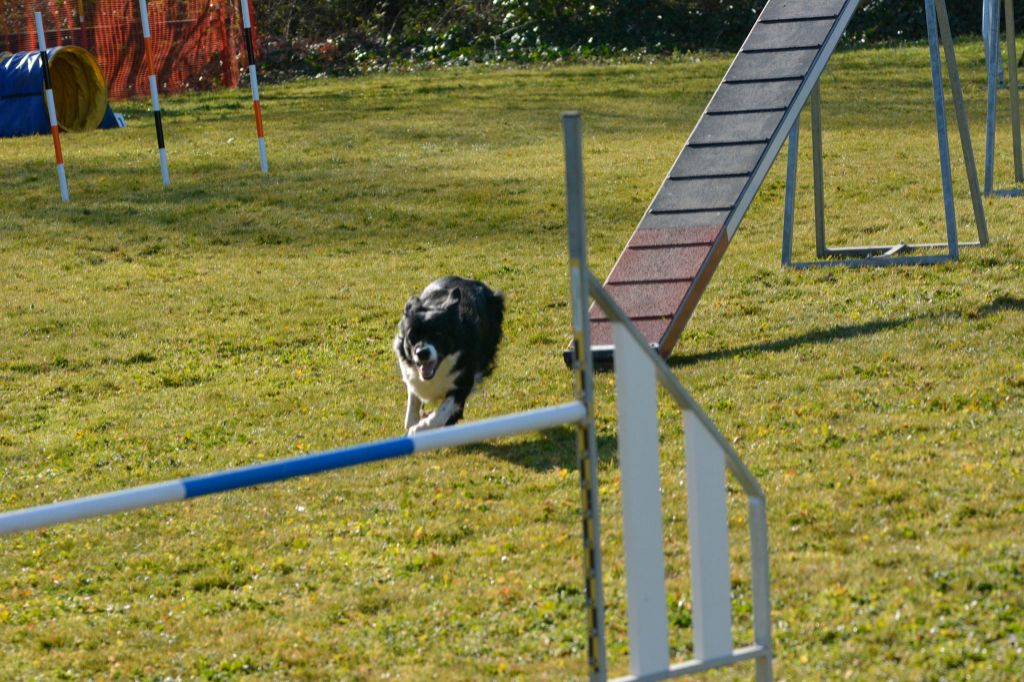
788	35
679	258
788	10
757	66
735	128
679	242
753	97
669	262
698	162
698	194
688	220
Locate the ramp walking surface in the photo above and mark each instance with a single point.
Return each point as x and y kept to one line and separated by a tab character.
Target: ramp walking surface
680	240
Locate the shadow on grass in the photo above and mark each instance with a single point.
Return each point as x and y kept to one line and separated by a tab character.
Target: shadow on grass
849	331
548	450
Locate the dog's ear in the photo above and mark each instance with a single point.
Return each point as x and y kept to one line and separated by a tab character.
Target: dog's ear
412	304
454	296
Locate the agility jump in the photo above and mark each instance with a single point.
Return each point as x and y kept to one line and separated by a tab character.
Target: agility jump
638	371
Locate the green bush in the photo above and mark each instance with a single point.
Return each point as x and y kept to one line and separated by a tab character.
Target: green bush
331	35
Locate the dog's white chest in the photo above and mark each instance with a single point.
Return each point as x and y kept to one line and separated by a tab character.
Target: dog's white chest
438	386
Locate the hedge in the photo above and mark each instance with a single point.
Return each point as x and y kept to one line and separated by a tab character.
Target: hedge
337	35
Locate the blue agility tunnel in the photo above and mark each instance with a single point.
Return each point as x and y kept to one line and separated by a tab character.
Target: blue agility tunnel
79	92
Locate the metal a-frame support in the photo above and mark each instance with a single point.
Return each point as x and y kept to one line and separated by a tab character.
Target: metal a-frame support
896	254
993	59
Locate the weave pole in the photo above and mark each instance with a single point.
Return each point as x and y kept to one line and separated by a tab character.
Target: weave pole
153	93
254	83
51	108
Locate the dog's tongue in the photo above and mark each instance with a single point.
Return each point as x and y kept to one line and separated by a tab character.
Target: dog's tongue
427	370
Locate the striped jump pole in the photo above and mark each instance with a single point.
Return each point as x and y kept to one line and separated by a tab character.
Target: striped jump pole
180	489
153	92
51	108
254	83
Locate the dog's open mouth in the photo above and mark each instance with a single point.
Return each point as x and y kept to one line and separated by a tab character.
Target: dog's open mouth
428	369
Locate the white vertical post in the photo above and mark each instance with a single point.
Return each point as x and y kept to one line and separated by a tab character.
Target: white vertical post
254	84
708	525
154	93
642	535
51	108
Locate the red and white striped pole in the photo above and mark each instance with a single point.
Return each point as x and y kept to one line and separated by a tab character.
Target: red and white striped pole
157	118
247	30
51	108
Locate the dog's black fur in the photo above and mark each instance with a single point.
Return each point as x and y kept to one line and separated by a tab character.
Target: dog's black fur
446	344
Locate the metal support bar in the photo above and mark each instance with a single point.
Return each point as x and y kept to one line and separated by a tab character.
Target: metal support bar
941	128
819	173
946	34
894	254
1011	63
990	19
993	55
789	207
583	371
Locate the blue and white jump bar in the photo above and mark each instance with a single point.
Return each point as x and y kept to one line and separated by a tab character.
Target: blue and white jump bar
180	489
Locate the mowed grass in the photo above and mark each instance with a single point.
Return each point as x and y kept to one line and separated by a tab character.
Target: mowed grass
150	333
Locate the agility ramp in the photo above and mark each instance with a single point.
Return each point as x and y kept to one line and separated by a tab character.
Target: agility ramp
674	251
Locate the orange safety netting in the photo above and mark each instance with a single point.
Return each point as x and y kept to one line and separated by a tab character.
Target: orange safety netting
197	44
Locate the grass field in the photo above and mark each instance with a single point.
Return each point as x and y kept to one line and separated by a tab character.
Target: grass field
150	333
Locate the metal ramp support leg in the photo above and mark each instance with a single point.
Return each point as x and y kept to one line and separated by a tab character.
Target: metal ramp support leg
993	59
894	254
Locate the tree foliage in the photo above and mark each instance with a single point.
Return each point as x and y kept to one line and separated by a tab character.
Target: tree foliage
339	35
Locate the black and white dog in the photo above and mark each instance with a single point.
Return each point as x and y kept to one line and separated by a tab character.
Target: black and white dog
446	344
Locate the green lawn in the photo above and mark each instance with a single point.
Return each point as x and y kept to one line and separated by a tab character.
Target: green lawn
150	333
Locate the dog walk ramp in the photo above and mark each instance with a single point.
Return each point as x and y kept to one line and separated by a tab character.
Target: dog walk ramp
679	242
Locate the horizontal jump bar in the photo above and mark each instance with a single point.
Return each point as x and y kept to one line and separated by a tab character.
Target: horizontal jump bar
268	472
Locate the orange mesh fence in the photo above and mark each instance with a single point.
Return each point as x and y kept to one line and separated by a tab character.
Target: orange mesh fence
197	44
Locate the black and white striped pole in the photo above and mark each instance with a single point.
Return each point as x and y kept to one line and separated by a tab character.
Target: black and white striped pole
51	108
254	84
153	92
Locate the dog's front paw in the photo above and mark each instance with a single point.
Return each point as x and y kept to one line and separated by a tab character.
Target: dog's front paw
423	425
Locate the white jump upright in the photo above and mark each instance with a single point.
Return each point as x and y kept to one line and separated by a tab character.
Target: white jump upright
642	532
638	368
708	526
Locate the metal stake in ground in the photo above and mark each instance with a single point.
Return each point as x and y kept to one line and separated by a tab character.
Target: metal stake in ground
157	117
247	30
51	109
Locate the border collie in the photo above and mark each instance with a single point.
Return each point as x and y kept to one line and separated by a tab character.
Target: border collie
446	344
